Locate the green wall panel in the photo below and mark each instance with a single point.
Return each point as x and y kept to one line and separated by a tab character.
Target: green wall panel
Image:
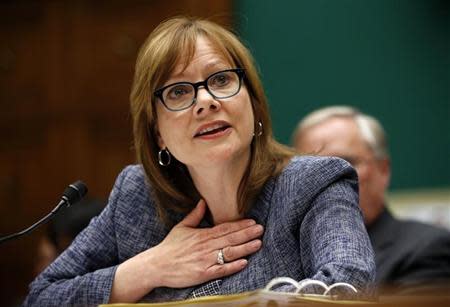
388	58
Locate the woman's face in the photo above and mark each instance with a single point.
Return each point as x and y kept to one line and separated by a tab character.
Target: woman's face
211	131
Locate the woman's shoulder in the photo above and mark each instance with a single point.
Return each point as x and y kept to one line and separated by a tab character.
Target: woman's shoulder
131	185
317	166
310	174
132	172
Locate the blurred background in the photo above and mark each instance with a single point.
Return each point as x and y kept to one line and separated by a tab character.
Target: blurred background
66	69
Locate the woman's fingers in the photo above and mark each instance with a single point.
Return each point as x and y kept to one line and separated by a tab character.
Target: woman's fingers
221	270
232	253
195	216
238	237
192	253
233	262
230	227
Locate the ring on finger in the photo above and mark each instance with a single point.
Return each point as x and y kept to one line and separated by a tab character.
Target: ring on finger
220	258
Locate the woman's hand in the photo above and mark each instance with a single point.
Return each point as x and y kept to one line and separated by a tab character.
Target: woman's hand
189	254
187	257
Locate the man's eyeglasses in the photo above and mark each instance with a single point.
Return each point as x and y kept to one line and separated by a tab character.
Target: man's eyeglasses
182	95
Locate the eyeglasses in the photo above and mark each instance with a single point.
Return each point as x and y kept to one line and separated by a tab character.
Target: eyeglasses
182	95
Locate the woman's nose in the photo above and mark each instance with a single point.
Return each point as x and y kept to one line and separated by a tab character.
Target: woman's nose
205	102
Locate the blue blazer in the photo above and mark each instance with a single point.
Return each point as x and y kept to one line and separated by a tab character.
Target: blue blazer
313	229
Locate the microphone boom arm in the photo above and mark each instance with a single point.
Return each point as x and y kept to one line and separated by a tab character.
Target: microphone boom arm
72	194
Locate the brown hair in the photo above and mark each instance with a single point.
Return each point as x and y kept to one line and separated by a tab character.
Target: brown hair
172	41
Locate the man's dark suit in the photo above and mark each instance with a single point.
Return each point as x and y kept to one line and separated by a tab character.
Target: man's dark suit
409	253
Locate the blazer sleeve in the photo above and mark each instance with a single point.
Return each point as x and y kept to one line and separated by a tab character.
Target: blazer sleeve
83	274
340	250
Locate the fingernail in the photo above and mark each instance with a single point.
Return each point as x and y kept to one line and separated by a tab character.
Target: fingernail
242	262
258	229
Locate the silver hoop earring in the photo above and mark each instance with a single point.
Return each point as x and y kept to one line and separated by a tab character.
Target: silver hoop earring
260	130
167	158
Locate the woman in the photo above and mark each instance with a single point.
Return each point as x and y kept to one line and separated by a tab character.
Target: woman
216	205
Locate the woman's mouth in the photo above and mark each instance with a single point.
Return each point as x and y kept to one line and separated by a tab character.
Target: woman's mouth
212	130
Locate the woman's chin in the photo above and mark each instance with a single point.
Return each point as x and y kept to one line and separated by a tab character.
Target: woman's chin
222	155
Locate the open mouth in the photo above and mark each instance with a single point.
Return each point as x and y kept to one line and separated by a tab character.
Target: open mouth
212	130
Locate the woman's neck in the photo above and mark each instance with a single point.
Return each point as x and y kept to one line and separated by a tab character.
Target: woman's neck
218	185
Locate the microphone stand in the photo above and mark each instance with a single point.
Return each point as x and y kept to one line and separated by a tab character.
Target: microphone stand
63	201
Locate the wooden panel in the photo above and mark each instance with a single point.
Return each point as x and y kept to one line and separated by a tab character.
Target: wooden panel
65	73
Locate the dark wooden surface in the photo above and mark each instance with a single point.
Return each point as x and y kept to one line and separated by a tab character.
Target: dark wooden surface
65	73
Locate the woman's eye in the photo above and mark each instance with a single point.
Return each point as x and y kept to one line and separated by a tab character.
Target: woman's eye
220	80
178	91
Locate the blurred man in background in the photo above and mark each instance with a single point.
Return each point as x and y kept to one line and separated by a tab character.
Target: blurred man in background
410	256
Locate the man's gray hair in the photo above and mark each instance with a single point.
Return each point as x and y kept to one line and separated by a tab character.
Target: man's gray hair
371	130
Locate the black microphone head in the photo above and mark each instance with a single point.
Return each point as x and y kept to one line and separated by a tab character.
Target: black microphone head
75	192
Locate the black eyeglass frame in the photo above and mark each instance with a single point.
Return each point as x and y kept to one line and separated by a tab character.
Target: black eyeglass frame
239	71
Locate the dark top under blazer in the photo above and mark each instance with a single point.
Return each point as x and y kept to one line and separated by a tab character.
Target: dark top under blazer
409	253
313	229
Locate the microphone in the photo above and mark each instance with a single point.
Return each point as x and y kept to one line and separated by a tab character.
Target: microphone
72	194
